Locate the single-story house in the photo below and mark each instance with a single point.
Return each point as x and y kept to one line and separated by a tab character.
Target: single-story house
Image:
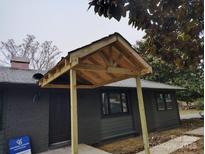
104	113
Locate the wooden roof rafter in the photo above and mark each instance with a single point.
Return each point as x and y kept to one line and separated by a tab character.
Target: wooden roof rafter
98	63
118	59
147	67
62	67
89	61
124	56
88	77
104	57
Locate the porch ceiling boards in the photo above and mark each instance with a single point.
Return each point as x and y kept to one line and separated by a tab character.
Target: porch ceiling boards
102	62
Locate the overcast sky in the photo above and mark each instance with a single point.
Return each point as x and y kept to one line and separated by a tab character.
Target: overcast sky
65	22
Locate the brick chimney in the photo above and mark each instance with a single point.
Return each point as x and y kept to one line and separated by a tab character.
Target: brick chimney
20	63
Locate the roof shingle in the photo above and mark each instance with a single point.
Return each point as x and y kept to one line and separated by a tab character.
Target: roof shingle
11	75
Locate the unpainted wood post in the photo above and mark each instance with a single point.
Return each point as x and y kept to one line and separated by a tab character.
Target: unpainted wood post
142	116
74	112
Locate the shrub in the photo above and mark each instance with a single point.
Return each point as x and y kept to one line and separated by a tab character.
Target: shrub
200	104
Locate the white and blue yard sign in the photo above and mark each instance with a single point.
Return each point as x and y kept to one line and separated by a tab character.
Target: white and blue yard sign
20	145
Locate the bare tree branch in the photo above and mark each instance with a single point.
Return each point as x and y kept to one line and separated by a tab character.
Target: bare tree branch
42	55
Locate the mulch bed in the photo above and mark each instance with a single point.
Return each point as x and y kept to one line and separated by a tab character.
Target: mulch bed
135	144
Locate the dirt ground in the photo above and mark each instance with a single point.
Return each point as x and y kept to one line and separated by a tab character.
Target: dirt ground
132	145
195	148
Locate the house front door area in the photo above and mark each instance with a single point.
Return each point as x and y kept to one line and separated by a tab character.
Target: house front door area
59	118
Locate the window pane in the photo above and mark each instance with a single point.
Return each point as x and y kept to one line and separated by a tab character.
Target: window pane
160	102
105	104
168	100
124	102
115	105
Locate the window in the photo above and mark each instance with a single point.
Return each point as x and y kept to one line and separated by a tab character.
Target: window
124	102
105	104
168	100
114	103
164	101
160	102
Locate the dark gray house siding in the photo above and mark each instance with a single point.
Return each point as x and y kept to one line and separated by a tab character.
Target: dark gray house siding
2	120
24	116
89	116
1	141
167	118
116	125
155	119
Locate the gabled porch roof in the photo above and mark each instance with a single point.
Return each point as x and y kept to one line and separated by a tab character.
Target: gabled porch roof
102	62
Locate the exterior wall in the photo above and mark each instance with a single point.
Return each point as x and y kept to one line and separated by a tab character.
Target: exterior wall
116	125
1	141
89	116
166	118
26	117
32	118
135	111
2	112
156	120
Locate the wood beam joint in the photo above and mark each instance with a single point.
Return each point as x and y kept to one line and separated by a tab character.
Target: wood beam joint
58	71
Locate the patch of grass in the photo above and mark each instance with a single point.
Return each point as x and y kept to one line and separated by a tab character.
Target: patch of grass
135	144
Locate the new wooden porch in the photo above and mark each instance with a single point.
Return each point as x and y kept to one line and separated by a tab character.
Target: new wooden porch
102	62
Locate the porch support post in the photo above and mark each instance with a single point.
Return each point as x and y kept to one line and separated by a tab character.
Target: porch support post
142	116
74	113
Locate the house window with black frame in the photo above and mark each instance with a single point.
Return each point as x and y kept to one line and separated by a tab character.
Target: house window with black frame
164	101
114	103
160	102
168	101
105	104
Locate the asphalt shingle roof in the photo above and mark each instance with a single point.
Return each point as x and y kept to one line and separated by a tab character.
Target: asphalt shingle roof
11	75
145	84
